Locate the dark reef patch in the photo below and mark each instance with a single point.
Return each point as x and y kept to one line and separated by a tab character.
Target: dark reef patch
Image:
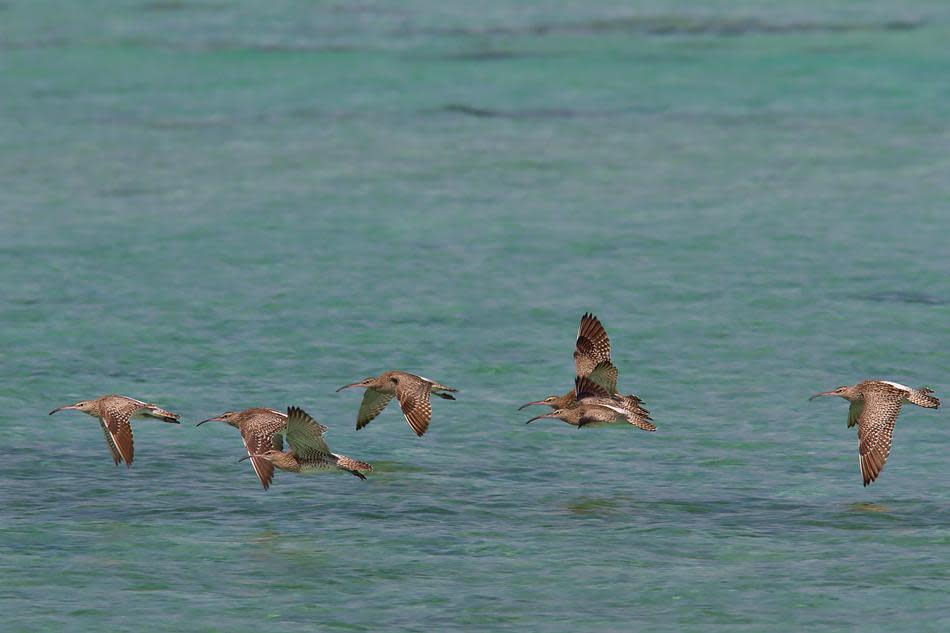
902	296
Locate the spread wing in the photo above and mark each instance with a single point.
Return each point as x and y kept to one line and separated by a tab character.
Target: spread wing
257	443
305	435
584	387
116	415
605	375
260	434
875	429
592	345
116	455
413	397
372	405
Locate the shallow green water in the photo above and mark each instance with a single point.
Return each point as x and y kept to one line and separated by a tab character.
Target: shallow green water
222	205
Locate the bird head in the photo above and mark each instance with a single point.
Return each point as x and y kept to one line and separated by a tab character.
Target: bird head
551	401
227	417
86	406
843	391
270	455
366	382
554	414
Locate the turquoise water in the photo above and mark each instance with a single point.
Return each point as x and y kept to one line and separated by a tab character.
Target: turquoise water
216	205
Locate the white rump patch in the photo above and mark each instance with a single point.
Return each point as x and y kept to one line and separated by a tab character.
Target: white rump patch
898	385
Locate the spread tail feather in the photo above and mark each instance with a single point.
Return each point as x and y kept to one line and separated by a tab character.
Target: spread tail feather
353	465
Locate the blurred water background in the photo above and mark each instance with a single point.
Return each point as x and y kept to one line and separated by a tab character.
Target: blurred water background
218	205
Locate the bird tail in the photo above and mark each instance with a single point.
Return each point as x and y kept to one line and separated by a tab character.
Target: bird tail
633	403
922	398
353	465
436	388
163	415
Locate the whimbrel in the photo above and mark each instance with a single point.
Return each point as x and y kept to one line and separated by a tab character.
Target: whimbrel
308	450
261	430
591	358
412	392
594	407
115	415
875	405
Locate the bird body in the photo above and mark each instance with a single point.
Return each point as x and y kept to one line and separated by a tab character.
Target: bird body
591	360
411	390
261	430
595	408
875	405
308	450
598	413
115	415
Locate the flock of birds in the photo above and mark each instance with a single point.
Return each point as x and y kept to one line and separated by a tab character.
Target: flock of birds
593	402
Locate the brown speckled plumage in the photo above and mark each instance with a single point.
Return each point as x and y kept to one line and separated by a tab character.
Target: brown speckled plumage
115	415
875	405
308	450
592	345
261	430
412	392
594	408
592	361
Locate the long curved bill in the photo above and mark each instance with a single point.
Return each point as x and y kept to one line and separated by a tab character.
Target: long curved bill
214	419
823	393
249	456
531	403
61	409
354	384
538	417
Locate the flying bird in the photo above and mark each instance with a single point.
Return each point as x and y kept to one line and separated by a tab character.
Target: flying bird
262	430
592	361
308	450
115	415
594	407
875	405
412	392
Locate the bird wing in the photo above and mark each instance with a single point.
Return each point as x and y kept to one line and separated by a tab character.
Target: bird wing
592	346
305	435
372	405
413	397
256	443
262	432
116	415
605	375
854	412
116	455
875	429
584	387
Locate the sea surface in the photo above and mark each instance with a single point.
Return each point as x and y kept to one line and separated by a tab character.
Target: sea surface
217	205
